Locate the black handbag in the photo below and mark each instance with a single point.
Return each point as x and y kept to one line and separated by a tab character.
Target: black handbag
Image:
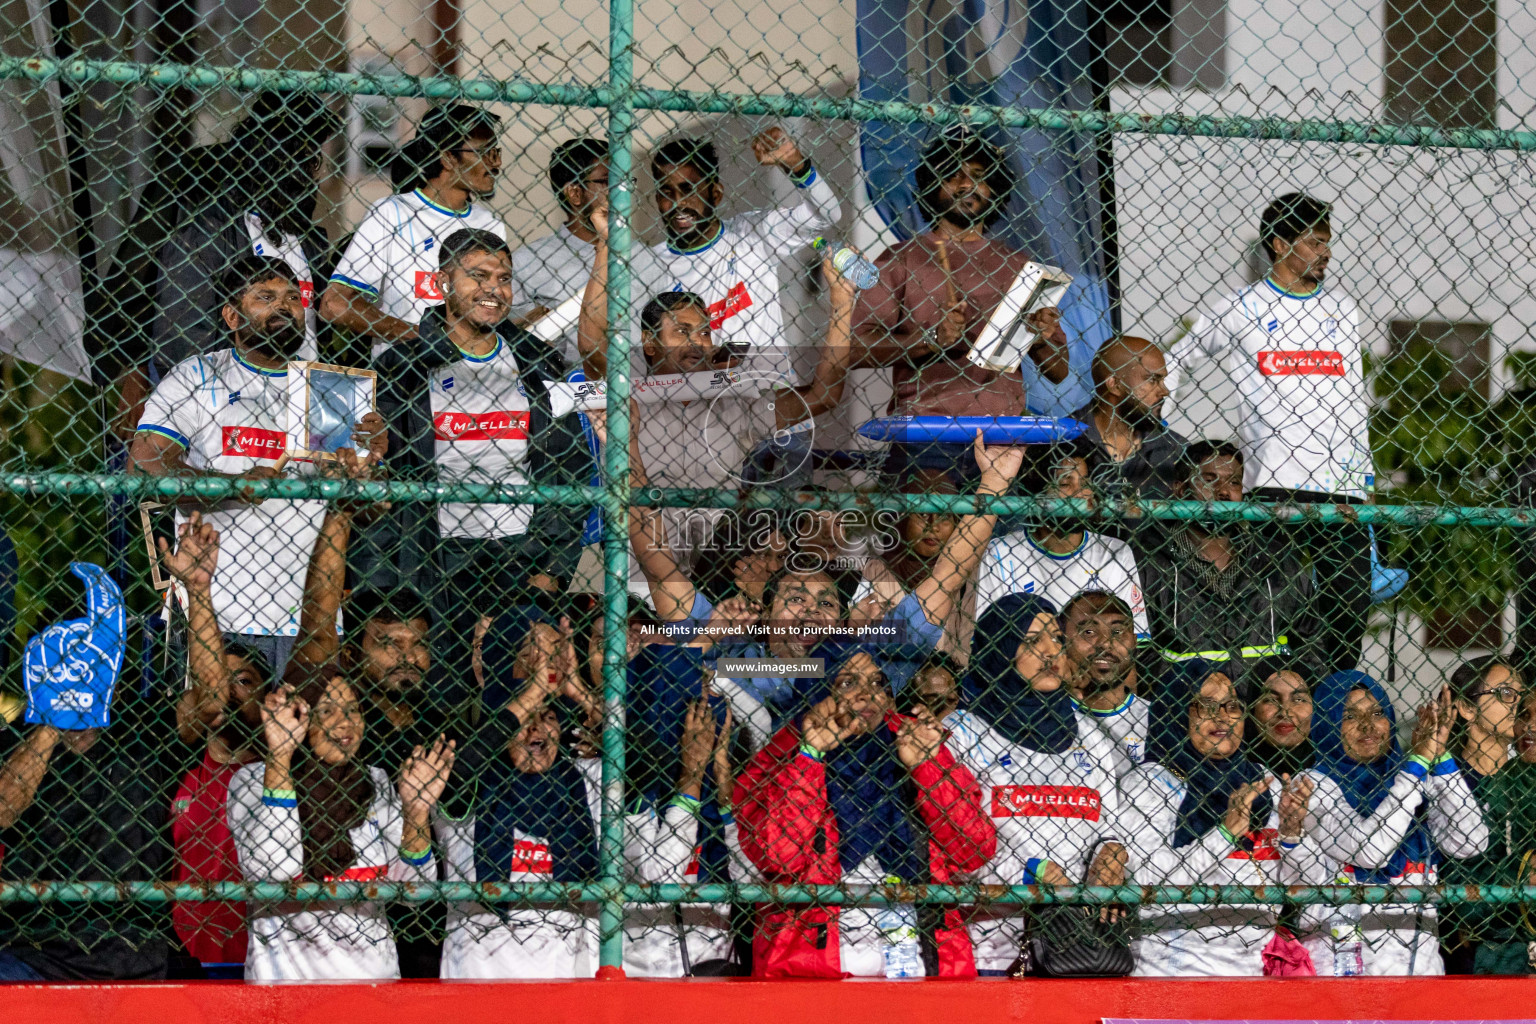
1071	942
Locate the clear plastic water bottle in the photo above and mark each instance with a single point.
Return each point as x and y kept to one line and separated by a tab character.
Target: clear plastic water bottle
903	953
845	261
1348	942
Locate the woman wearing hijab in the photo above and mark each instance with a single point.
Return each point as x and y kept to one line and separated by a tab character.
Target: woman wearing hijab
310	812
531	822
1380	818
1490	697
675	824
1048	783
1282	717
1199	811
851	791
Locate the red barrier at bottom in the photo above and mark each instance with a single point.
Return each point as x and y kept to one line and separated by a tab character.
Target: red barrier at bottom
777	1002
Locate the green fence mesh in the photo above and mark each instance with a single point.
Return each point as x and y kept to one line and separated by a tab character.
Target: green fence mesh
880	489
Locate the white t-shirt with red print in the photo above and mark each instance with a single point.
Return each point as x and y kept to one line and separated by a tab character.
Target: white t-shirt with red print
1298	367
737	274
480	422
230	416
393	256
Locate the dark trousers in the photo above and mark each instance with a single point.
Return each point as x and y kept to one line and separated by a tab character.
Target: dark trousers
1341	566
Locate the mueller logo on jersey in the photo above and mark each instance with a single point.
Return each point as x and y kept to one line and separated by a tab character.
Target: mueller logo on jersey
1260	844
427	286
306	293
736	300
532	858
254	442
1294	364
485	426
1045	802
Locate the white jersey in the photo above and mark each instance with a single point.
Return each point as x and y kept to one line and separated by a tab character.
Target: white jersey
291	942
393	256
1015	564
1395	938
509	941
1046	807
480	424
1189	940
1297	365
231	416
1125	725
291	252
737	273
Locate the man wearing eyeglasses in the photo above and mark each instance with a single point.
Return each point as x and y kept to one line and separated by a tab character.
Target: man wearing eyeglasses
552	269
389	274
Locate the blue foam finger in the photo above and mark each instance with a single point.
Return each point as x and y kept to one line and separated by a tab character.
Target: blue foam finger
962	429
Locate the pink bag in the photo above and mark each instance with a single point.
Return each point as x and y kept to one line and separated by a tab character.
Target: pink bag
1284	957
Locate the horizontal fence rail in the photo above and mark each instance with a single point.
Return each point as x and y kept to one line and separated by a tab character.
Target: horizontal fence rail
181	76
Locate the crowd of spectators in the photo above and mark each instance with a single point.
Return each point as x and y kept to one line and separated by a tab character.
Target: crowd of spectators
413	691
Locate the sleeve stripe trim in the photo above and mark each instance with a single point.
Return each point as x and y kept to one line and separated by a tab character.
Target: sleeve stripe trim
166	432
810	177
278	801
417	859
339	279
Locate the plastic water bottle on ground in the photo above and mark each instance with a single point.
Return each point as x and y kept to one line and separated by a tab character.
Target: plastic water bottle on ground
845	261
903	953
1348	942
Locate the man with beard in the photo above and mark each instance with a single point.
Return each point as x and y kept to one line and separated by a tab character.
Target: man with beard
1224	591
937	291
1098	652
388	276
1134	451
733	264
1291	347
225	414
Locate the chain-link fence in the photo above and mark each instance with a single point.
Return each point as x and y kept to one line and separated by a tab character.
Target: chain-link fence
508	490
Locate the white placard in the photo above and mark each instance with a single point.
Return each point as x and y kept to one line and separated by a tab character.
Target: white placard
1007	339
592	395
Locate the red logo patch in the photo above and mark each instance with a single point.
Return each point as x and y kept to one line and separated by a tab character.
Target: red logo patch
734	302
254	442
373	874
306	293
1045	802
532	858
427	286
1293	364
485	426
1263	846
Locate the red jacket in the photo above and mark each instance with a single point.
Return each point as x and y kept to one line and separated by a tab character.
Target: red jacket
788	831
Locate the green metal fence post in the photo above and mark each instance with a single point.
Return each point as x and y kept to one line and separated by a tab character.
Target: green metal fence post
616	491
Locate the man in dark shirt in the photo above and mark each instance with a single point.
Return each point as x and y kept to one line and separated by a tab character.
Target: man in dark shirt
88	804
1235	591
1136	453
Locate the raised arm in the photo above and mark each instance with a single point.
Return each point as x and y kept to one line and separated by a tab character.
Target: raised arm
24	770
790	228
204	704
825	392
960	555
325	579
672	592
592	324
